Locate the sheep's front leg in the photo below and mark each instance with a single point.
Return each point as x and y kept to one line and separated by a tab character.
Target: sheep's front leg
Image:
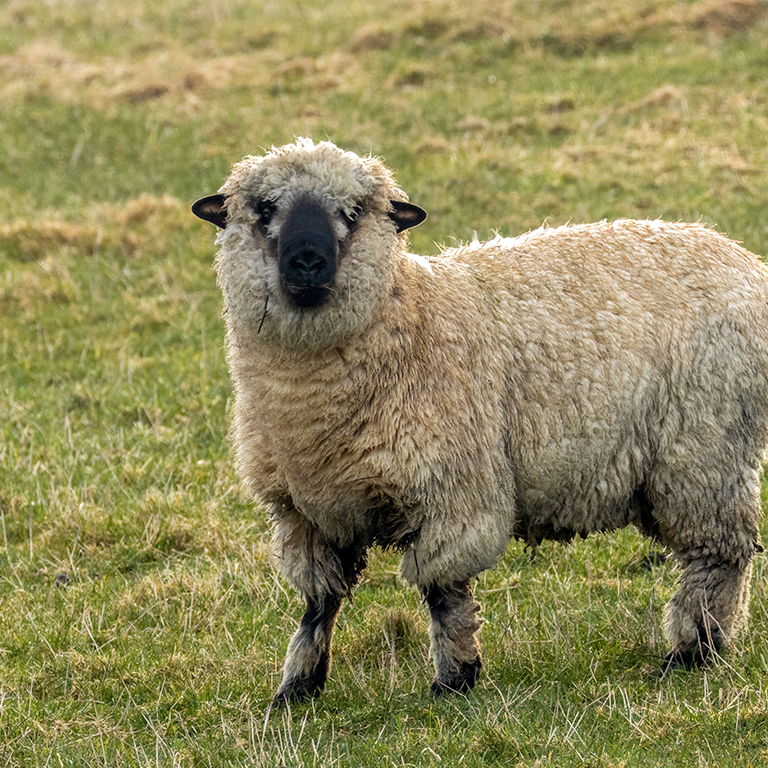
454	647
325	574
308	661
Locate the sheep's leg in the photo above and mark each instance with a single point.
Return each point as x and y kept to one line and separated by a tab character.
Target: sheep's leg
707	611
454	647
325	574
308	660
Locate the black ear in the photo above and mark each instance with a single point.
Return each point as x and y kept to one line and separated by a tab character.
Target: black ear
406	215
211	209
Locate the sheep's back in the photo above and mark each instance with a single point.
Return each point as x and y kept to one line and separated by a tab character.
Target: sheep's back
618	337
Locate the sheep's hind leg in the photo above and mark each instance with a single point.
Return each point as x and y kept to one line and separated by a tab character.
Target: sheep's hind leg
706	612
454	647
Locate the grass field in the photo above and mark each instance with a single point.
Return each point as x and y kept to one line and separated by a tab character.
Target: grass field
141	623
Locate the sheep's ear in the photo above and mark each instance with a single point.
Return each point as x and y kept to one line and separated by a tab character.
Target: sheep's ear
406	215
211	209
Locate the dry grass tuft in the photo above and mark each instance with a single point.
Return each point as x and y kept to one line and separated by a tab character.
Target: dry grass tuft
33	240
663	96
148	211
593	28
727	17
371	37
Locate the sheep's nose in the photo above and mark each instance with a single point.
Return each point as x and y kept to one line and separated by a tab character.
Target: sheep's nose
307	251
307	245
308	260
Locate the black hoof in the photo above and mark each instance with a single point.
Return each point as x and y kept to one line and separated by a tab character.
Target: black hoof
299	691
709	644
293	696
676	661
281	701
464	679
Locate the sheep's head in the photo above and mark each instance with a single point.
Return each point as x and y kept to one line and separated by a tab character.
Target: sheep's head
314	228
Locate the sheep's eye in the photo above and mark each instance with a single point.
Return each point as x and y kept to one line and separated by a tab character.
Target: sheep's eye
265	209
352	216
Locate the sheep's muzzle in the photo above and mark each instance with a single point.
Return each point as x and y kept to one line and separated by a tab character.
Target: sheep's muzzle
307	251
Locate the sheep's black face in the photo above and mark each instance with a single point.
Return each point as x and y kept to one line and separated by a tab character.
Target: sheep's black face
307	250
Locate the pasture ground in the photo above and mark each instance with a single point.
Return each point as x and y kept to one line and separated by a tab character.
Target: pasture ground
141	623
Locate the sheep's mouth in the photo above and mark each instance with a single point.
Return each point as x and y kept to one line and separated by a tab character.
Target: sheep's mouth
307	296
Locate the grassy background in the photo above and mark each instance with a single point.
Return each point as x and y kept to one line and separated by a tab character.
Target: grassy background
140	621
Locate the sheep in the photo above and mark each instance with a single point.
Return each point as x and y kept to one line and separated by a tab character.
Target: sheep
568	381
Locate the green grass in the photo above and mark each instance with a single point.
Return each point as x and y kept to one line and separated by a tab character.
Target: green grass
163	642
